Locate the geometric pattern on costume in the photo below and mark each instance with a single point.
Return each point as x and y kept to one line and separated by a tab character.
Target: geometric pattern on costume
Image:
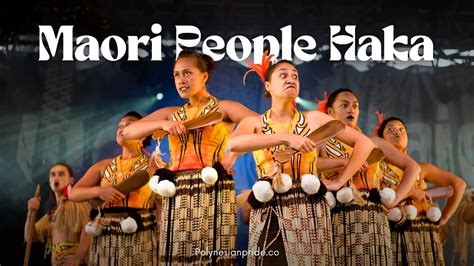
403	247
299	227
200	219
361	229
200	147
295	224
413	242
361	233
417	242
114	247
299	164
391	175
142	198
336	148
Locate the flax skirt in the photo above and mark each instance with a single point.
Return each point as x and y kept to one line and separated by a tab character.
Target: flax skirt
417	242
199	224
114	247
361	234
293	225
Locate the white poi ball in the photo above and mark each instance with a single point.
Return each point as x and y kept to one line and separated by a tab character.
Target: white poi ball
433	214
263	191
153	183
166	188
330	199
209	175
387	196
394	214
410	212
129	225
344	195
93	228
287	183
310	184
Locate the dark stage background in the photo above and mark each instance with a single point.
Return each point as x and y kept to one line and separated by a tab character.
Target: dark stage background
68	111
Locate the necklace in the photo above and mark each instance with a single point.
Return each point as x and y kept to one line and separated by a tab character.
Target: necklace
193	114
289	125
128	163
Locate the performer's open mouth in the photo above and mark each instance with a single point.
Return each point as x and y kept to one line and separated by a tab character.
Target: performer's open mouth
56	184
183	89
350	117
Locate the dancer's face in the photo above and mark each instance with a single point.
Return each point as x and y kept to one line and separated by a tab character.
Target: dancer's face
122	124
188	78
396	133
345	108
284	82
59	178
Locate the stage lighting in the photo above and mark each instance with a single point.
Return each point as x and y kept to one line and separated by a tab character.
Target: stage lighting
306	104
159	96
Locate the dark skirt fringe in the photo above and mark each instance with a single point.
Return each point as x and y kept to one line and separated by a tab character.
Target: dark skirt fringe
417	242
114	247
199	224
293	225
361	233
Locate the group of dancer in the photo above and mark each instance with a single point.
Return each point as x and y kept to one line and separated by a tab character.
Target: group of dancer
328	203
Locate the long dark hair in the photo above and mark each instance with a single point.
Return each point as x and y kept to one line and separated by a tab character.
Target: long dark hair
203	62
386	121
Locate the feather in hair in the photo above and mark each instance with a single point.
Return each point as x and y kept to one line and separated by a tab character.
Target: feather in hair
380	116
260	69
322	104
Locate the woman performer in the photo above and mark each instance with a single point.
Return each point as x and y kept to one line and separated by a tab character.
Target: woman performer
360	226
124	230
62	228
199	223
419	241
294	226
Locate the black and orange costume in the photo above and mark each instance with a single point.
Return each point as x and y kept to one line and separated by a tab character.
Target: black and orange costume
294	223
418	241
199	223
113	246
360	227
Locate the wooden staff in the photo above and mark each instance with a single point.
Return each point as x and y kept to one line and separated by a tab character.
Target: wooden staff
31	218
